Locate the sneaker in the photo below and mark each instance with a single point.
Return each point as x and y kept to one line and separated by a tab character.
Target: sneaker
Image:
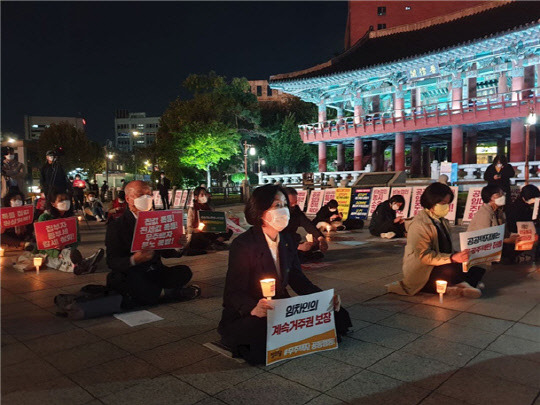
480	285
189	293
75	256
340	228
89	265
471	292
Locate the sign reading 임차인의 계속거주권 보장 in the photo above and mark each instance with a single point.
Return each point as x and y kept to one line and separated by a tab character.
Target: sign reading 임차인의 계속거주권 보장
485	245
214	221
56	233
155	230
300	325
16	216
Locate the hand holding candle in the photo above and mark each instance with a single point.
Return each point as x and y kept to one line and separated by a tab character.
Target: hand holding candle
268	286
2	252
441	288
201	226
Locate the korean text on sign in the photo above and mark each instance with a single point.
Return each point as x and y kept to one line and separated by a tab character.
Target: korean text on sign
56	233
157	230
16	216
485	245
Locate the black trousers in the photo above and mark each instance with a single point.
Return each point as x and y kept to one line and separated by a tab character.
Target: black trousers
398	229
141	286
453	274
165	201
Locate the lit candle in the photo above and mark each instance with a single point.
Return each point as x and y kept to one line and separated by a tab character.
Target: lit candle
1	252
268	286
80	218
328	228
441	288
38	261
201	226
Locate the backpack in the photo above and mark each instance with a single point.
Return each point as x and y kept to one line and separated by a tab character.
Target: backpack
91	301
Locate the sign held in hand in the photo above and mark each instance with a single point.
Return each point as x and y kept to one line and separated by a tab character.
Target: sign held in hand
56	233
16	216
157	230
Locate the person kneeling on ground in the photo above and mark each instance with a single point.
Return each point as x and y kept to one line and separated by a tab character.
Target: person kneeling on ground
429	255
384	222
69	259
311	249
119	206
18	236
140	277
329	218
263	251
94	207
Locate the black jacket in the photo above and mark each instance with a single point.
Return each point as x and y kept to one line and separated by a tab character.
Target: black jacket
382	218
324	215
163	186
118	243
299	219
53	171
518	211
506	173
250	261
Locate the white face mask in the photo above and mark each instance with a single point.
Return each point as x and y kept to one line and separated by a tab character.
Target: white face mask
395	207
91	198
143	203
120	201
332	209
500	201
63	205
10	157
531	201
499	165
203	200
279	218
16	203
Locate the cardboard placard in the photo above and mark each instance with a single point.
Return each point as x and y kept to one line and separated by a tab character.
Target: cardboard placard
378	195
415	203
56	233
343	197
214	221
451	216
16	216
485	245
155	230
527	235
157	199
170	196
329	194
406	193
178	199
474	202
185	196
360	203
315	202
301	199
300	325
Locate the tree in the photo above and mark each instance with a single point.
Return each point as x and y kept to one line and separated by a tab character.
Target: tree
73	141
95	159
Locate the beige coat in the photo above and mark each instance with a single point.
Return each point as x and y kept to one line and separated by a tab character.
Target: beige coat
421	255
485	218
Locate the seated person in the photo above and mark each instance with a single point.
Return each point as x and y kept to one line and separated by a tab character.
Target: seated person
309	250
119	206
18	236
254	256
198	239
93	207
429	254
140	277
329	218
69	259
40	205
384	222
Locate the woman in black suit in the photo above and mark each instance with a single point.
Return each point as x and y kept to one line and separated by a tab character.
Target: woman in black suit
263	252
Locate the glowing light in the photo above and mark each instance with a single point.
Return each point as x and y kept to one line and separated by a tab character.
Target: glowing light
268	286
531	118
38	261
441	288
11	140
110	155
252	151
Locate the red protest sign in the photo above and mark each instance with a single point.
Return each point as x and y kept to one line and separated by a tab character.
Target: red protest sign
158	230
16	216
56	233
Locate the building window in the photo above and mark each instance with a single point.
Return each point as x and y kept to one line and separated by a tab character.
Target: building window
259	91
407	8
381	10
133	126
268	91
381	26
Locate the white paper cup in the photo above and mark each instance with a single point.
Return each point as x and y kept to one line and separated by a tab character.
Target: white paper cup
268	286
441	286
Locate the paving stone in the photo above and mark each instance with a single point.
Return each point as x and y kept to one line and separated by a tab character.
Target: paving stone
187	324
317	372
57	391
494	325
80	357
368	313
410	323
15	353
524	331
462	334
161	390
439	399
477	388
210	401
324	399
17	377
176	355
206	337
61	341
357	353
453	354
501	310
34	324
371	388
385	336
216	374
267	388
390	302
516	346
143	339
115	375
532	317
18	308
110	327
431	312
426	373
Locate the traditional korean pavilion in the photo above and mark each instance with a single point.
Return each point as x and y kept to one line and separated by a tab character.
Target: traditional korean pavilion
439	87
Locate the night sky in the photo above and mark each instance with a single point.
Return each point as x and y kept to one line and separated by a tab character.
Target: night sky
90	58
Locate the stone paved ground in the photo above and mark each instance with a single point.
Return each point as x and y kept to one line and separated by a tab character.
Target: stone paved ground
402	350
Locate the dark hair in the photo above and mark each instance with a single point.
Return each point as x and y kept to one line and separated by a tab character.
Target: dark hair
489	190
291	191
434	194
260	201
122	195
78	175
7	198
54	212
500	158
332	204
397	199
91	193
529	191
197	191
162	173
7	150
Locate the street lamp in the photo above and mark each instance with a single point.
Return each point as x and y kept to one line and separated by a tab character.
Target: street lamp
109	157
530	120
252	151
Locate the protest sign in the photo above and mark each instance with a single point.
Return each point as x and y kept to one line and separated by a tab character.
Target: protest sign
485	245
343	197
157	199
360	203
527	235
170	196
415	204
329	194
406	193
178	199
315	202
185	196
300	325
16	216
301	199
214	221
451	216
234	226
56	233
474	202
535	208
378	195
157	230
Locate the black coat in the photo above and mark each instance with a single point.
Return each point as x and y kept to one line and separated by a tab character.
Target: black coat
383	218
163	186
506	173
250	261
518	211
53	179
118	243
324	215
299	219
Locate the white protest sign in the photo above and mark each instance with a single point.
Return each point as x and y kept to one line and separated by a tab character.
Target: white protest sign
378	195
451	216
485	245
406	192
527	235
170	196
178	199
235	228
329	194
474	202
315	202
300	325
157	200
185	195
415	204
535	208
301	199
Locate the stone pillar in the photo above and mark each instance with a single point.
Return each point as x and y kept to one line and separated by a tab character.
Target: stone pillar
358	110
457	93
416	156
501	146
322	112
358	154
339	115
457	144
340	157
471	147
399	160
398	103
376	154
322	157
517	140
518	81
418	98
426	162
532	143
